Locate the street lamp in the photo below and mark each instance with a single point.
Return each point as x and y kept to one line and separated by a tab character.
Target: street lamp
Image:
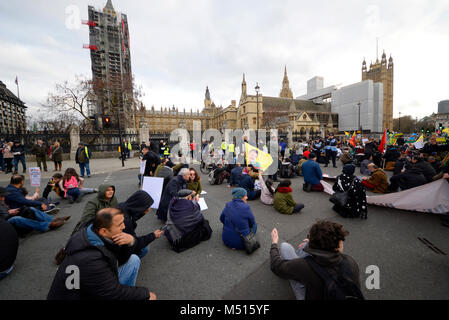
360	125
257	108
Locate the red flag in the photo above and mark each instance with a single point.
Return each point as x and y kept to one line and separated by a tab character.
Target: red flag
383	142
352	141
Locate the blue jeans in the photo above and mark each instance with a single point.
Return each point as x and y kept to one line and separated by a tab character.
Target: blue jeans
127	273
74	193
5	273
41	223
144	252
288	253
16	162
82	166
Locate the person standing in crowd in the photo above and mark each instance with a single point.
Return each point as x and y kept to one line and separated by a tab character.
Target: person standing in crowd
324	250
186	226
171	190
331	150
195	182
283	199
8	156
237	214
40	151
18	150
283	146
107	268
82	158
356	205
9	239
56	156
378	181
312	175
152	161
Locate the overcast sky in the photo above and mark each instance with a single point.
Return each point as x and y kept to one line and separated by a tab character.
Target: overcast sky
178	47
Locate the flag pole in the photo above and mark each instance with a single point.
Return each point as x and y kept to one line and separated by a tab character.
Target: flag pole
17	84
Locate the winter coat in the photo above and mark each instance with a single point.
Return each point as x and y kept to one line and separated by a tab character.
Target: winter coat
411	178
133	209
20	148
299	269
9	244
345	158
56	154
356	205
236	175
166	173
379	180
427	169
95	205
312	172
243	219
283	200
195	186
81	157
399	165
39	151
153	161
15	199
265	197
97	260
392	155
170	191
247	183
364	167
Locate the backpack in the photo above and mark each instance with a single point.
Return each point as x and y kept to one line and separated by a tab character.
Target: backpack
337	285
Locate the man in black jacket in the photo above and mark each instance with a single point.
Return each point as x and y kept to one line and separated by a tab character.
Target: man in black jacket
152	161
171	190
412	177
99	263
18	150
40	151
427	169
9	240
325	246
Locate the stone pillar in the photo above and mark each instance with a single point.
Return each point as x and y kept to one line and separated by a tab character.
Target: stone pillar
144	134
307	134
290	136
74	141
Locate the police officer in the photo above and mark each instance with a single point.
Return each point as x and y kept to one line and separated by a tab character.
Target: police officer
331	150
317	146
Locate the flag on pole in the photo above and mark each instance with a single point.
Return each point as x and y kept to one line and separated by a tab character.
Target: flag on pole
347	134
258	158
383	142
352	141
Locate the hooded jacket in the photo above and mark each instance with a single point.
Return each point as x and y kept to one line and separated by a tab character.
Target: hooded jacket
98	260
427	169
134	209
283	200
170	191
412	177
299	269
95	205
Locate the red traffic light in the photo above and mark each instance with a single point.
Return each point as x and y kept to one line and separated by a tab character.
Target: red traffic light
107	119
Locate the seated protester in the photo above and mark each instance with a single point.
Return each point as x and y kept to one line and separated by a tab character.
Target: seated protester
16	199
283	199
346	157
171	190
107	268
301	162
105	199
186	226
378	181
295	157
165	171
237	214
400	163
219	175
287	169
356	206
138	205
391	156
69	184
236	175
9	240
364	171
312	175
427	169
324	249
267	193
195	182
436	164
247	183
53	185
412	177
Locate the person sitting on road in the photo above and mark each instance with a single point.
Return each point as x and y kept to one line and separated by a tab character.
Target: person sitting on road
391	156
171	190
400	163
321	253
436	165
53	185
267	193
356	205
107	267
287	169
247	183
219	175
237	214
378	181
236	175
312	175
186	226
412	177
427	169
283	199
195	182
165	171
72	184
9	240
346	157
364	171
134	208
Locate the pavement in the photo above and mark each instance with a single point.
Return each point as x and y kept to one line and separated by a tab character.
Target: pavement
388	240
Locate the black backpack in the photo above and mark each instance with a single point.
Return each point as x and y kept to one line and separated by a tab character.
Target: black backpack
337	285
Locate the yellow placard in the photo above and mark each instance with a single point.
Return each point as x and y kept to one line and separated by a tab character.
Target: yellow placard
259	159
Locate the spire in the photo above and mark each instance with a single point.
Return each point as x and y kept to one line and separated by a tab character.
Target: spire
286	92
207	93
109	5
243	95
243	82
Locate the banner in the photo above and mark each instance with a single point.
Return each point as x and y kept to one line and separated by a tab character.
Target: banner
259	159
142	166
153	186
419	144
35	177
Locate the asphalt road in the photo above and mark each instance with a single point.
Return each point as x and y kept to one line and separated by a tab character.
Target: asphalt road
388	239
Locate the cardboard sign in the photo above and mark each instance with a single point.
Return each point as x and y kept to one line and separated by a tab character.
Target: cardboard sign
202	203
35	177
142	166
153	186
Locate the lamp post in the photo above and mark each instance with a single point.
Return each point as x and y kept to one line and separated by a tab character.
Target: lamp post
399	121
360	125
257	108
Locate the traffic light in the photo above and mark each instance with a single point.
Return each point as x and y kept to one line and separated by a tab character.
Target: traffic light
107	122
422	129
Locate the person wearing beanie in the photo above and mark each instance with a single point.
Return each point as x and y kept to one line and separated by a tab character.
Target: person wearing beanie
312	175
356	205
237	214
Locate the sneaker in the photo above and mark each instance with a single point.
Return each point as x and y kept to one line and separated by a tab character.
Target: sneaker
52	211
55	224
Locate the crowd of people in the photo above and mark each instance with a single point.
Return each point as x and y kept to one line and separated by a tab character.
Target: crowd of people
107	250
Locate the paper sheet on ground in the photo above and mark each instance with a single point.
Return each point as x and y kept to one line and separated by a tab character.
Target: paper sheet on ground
203	192
153	186
202	203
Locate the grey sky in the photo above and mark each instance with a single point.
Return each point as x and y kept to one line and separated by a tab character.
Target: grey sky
180	46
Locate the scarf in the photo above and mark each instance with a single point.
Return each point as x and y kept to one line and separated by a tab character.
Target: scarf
285	189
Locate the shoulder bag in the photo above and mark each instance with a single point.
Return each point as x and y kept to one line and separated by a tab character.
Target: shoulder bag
250	242
340	198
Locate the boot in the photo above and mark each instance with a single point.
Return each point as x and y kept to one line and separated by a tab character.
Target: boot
55	224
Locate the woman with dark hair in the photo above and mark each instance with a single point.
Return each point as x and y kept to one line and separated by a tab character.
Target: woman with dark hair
283	199
267	194
356	205
72	184
195	182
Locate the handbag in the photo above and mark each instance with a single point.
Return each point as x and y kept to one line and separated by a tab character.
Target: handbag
340	198
250	242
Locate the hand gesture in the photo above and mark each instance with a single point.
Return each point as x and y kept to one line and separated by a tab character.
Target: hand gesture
274	236
123	238
13	212
304	242
44	207
158	233
152	296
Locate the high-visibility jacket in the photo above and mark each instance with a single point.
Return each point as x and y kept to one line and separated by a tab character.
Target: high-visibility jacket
128	145
167	151
231	147
223	145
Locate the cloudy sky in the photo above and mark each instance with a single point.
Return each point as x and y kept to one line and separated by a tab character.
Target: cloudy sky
178	47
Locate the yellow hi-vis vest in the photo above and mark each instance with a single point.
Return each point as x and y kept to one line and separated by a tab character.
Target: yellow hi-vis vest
231	147
223	145
167	151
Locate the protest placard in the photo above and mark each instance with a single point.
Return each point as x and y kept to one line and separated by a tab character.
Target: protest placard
35	177
153	186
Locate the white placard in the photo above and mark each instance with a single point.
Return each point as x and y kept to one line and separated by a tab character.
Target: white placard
35	177
365	141
203	192
153	186
142	166
202	203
